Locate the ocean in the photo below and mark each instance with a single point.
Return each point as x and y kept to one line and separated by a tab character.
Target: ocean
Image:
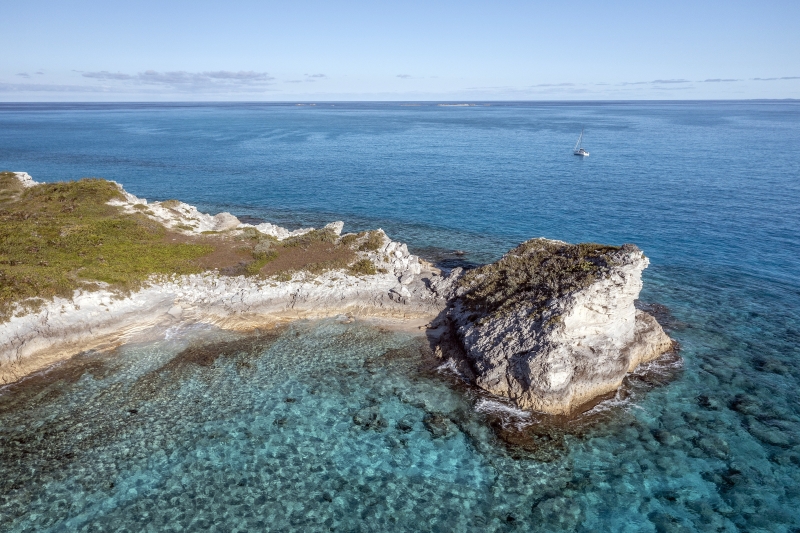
327	426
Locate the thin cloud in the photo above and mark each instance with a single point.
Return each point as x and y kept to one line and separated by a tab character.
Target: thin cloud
106	75
216	80
242	75
40	73
316	75
655	82
182	78
777	79
718	80
554	85
24	75
404	76
494	88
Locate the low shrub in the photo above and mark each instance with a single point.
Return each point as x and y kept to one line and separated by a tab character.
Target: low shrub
363	267
373	243
58	237
311	238
534	273
170	204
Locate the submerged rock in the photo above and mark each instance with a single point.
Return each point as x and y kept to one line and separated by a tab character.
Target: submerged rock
370	418
553	325
438	425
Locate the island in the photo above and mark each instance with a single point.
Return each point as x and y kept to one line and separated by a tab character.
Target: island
87	265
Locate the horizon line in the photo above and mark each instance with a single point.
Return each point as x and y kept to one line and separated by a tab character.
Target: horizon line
307	102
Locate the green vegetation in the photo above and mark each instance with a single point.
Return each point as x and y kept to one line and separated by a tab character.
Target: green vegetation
534	273
58	237
262	247
170	204
368	241
363	267
315	252
311	238
373	242
350	239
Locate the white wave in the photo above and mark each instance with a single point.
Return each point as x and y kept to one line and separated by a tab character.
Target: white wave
448	366
617	402
494	407
659	366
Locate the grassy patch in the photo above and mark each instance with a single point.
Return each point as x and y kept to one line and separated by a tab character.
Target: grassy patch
350	239
314	252
366	241
311	238
372	243
170	204
10	187
58	237
363	267
534	273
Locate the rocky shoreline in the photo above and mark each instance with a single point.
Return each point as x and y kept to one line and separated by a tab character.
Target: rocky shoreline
579	345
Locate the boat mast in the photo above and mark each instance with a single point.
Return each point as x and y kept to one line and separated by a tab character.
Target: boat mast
580	140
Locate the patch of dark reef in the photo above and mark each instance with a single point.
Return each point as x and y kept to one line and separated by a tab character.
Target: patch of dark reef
662	314
198	361
42	387
115	411
205	354
47	444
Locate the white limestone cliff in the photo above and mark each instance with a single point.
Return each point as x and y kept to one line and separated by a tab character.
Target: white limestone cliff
25	179
579	348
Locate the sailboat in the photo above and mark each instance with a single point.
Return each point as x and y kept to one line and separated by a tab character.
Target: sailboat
578	150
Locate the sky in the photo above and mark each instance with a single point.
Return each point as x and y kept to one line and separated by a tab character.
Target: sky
88	50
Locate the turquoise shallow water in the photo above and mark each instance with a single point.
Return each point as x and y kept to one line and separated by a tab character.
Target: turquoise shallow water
711	443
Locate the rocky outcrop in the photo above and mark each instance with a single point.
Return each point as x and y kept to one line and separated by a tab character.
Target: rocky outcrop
185	218
64	327
549	326
552	325
25	179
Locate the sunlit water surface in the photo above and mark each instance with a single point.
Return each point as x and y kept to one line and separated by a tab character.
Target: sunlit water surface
327	426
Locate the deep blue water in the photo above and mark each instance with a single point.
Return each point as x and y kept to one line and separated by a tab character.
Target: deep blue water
708	190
